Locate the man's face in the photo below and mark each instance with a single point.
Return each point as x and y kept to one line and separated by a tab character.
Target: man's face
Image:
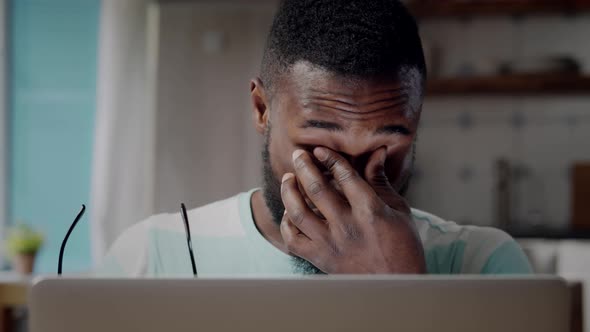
354	117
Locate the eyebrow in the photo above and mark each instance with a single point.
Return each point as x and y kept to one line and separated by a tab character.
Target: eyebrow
331	126
318	124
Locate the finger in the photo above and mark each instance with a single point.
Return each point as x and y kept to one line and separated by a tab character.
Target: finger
377	179
296	242
317	187
299	212
353	186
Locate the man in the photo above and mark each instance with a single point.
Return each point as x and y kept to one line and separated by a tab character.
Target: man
338	102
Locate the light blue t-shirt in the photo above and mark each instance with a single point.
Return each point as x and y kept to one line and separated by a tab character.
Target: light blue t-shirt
227	243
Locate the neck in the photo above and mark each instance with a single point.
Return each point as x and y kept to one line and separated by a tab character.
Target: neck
264	222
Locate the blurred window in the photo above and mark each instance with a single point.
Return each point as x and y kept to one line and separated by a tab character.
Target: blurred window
52	48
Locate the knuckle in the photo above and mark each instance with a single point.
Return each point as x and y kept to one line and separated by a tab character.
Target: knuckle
297	217
375	207
284	227
285	219
315	188
351	232
344	176
332	162
380	181
334	249
373	220
299	163
401	205
373	211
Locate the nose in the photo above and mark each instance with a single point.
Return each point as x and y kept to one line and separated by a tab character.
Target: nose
359	161
358	149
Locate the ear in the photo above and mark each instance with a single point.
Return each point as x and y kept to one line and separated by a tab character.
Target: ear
260	105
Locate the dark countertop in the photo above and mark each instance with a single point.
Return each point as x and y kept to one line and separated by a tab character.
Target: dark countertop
549	233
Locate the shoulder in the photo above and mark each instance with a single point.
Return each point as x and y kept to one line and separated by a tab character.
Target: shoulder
127	257
221	218
131	254
468	249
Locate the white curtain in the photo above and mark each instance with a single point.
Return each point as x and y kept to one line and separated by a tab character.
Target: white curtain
189	135
122	179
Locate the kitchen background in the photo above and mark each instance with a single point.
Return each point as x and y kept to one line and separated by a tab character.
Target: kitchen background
134	106
528	133
514	139
117	103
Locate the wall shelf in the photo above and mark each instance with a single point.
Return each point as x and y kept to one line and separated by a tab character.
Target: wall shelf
512	85
549	233
440	9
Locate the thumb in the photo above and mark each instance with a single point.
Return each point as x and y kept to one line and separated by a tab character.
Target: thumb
377	179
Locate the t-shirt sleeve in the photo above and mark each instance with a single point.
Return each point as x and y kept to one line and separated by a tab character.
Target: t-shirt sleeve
507	258
128	256
492	251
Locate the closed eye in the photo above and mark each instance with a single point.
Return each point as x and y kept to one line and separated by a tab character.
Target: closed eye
393	130
322	125
331	126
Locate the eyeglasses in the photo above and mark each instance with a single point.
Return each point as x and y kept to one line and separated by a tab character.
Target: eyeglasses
81	214
65	241
189	242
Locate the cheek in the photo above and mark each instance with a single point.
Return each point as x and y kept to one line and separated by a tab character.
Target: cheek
280	150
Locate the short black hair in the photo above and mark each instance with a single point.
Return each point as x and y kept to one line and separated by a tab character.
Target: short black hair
356	38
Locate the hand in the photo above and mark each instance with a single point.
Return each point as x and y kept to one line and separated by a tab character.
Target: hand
366	228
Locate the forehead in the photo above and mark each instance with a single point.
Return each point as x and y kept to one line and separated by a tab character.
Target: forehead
308	86
306	78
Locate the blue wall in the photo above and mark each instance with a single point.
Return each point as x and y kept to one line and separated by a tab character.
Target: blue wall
52	82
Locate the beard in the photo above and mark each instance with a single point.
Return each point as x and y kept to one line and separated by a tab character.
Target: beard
271	190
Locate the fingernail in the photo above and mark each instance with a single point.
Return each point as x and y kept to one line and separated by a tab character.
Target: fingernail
320	153
297	153
286	177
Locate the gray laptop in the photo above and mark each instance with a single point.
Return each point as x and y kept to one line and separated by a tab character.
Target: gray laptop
441	304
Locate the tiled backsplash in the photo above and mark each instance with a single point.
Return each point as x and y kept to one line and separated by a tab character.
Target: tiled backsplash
462	138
